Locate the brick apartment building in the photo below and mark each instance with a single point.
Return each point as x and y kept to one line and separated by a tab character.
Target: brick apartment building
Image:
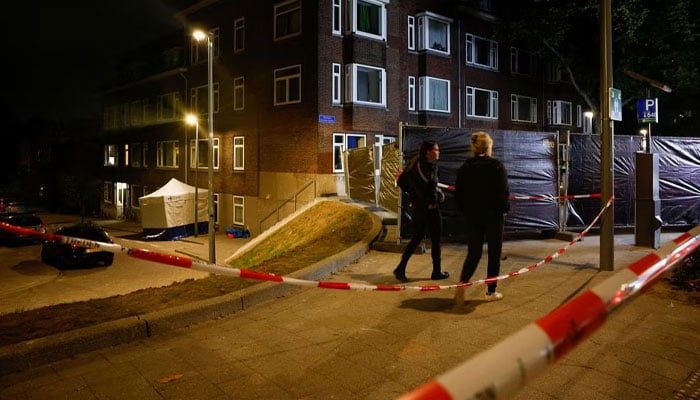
296	82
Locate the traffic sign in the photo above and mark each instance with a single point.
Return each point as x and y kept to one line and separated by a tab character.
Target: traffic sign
615	104
647	110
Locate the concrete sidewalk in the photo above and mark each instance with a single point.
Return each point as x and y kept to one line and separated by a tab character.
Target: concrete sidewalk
319	344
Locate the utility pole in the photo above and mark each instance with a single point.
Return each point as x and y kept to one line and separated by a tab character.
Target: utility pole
607	172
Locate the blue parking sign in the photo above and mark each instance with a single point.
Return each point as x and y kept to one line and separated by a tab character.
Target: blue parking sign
647	110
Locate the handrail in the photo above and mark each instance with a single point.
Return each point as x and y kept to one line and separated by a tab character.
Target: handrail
276	211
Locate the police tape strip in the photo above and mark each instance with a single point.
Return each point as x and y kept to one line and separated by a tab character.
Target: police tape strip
503	369
186	262
540	197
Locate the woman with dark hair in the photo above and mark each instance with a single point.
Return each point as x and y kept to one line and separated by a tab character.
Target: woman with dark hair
422	178
482	196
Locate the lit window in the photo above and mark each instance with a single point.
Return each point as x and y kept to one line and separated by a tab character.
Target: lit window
482	103
434	33
482	52
434	94
287	19
365	85
523	108
110	155
288	85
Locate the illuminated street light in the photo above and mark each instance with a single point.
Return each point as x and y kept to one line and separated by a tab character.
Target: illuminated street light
588	122
644	134
199	36
192	119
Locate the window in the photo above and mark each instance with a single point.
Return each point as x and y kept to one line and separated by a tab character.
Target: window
342	142
126	155
411	31
135	194
167	153
288	85
136	155
523	108
238	153
411	93
482	52
434	94
144	153
521	62
287	19
367	18
238	210
239	93
553	72
561	112
482	103
167	106
434	33
108	192
201	149
239	35
198	49
111	155
337	17
200	99
365	85
579	116
336	83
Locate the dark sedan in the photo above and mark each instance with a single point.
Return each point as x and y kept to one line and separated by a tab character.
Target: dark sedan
64	255
23	220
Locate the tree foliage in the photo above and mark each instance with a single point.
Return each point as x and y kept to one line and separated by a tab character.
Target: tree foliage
655	38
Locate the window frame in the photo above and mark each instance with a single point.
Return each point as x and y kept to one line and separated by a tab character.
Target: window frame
287	80
424	87
160	153
239	35
108	192
351	84
471	103
424	32
559	110
239	162
239	205
352	19
515	100
472	52
289	15
411	93
199	147
111	155
411	32
340	141
337	17
337	71
239	93
198	49
195	95
516	55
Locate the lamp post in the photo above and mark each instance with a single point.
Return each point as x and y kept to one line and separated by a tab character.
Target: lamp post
192	120
199	36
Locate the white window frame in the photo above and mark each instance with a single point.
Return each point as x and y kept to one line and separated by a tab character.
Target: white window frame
561	112
411	93
352	72
337	17
168	146
286	77
340	141
203	148
411	32
425	84
516	56
239	209
239	93
201	94
473	45
426	20
492	112
352	19
579	116
516	101
239	35
291	12
111	155
337	81
238	153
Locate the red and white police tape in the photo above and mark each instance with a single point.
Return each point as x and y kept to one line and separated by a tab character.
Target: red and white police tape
503	369
540	197
186	262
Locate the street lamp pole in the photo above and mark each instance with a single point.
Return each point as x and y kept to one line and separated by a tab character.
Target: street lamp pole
193	120
210	62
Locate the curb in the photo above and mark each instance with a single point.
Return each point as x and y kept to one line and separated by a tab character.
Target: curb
40	351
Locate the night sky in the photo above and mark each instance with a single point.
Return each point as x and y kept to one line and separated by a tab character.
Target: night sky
61	53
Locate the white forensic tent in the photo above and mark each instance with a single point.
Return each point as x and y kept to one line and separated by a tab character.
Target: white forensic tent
168	213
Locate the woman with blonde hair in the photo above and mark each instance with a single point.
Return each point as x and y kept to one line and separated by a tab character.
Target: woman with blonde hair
481	191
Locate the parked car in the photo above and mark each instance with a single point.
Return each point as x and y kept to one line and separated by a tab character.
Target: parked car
64	255
24	220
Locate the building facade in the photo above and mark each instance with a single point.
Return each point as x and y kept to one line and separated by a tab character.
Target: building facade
297	82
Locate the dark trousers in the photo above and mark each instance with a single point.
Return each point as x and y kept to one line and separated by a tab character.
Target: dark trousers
424	219
480	229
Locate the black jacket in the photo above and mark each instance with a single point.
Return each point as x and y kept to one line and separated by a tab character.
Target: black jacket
481	188
422	185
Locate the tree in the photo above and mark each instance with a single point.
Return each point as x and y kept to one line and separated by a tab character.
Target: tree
655	38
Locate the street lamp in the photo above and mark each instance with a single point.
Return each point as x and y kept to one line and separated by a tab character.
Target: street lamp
199	36
644	133
191	119
588	122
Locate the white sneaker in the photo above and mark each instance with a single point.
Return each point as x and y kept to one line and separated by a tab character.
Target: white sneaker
493	296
